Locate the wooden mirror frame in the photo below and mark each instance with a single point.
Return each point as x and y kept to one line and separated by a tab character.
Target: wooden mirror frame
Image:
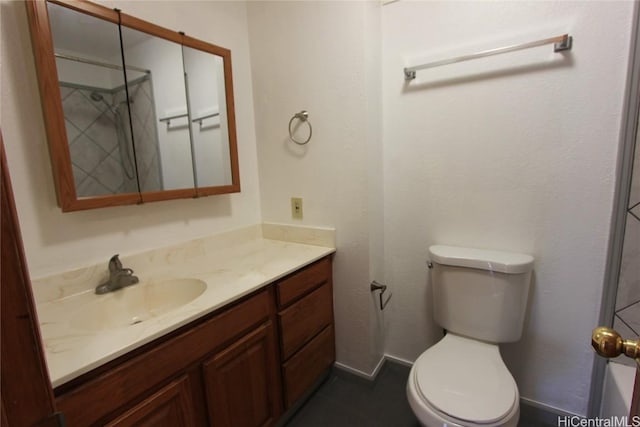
46	69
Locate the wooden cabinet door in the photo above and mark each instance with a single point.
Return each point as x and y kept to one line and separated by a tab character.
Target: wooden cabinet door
170	406
241	384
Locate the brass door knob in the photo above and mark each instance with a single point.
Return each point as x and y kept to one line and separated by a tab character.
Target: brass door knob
608	343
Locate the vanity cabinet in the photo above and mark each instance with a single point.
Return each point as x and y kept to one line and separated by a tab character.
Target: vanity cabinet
239	366
185	376
305	322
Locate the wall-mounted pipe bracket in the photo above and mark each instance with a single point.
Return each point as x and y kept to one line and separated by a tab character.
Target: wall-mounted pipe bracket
375	286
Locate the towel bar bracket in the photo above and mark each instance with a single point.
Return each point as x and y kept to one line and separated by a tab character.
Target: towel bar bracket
565	44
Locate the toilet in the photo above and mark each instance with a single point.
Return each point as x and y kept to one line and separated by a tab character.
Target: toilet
479	298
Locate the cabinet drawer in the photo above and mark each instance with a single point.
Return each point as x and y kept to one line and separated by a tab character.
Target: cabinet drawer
305	367
298	284
303	320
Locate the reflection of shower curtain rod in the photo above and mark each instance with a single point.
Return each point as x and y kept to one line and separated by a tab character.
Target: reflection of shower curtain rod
100	64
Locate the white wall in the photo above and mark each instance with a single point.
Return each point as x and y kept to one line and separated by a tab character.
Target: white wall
89	38
85	74
56	241
319	56
517	153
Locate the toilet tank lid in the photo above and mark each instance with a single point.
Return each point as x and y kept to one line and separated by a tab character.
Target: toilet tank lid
503	262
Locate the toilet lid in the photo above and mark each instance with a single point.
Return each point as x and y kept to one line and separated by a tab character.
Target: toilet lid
465	379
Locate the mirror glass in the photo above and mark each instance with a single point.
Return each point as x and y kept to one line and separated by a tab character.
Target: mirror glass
209	124
159	115
134	112
92	88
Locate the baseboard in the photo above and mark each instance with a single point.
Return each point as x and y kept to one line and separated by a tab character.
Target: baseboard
397	360
374	374
358	373
539	413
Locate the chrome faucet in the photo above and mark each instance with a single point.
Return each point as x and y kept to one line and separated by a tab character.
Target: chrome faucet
119	277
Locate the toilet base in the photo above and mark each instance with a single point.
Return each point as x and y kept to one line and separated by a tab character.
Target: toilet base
431	417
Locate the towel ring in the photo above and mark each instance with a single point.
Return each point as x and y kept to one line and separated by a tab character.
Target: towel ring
303	116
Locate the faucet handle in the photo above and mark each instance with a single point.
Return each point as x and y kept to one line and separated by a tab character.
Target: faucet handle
114	264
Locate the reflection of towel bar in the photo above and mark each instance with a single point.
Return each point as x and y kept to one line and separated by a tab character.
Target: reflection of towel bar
208	116
375	286
100	64
168	119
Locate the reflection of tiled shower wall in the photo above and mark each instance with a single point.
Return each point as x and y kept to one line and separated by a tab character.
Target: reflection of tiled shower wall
100	142
145	134
93	143
627	317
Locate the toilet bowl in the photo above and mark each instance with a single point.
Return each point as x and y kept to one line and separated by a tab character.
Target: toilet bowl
463	382
479	298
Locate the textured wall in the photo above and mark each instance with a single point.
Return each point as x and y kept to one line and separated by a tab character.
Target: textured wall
516	152
57	242
322	57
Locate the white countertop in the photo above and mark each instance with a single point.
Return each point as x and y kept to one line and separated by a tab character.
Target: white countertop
230	267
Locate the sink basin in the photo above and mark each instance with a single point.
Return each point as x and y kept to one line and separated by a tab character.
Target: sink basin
136	304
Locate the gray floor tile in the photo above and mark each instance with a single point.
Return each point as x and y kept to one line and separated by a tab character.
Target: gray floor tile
320	411
348	401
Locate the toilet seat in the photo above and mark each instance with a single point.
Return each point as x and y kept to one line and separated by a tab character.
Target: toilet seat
465	380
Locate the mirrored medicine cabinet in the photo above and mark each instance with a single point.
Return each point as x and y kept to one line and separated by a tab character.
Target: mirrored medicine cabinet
133	112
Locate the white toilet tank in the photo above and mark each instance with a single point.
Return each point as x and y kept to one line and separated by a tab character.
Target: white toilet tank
480	294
